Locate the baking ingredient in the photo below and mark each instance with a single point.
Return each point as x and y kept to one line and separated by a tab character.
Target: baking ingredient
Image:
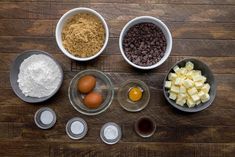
135	94
39	76
77	127
93	100
83	35
111	132
187	86
144	44
145	126
86	84
46	117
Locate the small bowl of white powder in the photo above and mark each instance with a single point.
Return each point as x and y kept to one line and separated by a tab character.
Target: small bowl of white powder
45	118
35	76
110	133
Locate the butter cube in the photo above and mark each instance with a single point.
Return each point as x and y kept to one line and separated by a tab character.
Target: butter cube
206	98
195	97
192	91
189	65
197	72
205	88
174	89
180	102
182	96
198	85
176	69
173	96
198	102
189	74
182	89
168	84
183	71
188	83
178	81
172	76
190	102
202	95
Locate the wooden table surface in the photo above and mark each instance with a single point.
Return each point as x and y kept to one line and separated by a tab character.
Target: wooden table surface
202	29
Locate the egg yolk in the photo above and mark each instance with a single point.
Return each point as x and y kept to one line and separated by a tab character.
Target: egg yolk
135	94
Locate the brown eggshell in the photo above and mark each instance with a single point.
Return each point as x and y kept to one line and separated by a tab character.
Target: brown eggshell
86	84
93	100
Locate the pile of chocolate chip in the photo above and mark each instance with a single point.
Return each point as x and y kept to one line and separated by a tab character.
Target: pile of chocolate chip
144	44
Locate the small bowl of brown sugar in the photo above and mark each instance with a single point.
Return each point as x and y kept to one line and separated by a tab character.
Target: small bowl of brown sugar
145	42
82	34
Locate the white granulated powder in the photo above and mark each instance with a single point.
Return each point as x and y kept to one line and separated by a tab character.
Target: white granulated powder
111	132
77	127
39	76
46	117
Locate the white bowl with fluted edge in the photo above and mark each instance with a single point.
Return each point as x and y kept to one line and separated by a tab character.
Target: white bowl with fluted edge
67	16
161	25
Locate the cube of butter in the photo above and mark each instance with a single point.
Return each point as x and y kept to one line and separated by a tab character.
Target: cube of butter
178	81
173	96
205	88
180	102
188	83
201	94
197	78
174	89
176	69
189	74
190	102
195	97
183	71
172	76
182	96
189	65
182	89
168	84
192	91
198	102
206	98
198	85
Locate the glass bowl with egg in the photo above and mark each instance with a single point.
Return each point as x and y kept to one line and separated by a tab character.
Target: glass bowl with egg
91	92
190	85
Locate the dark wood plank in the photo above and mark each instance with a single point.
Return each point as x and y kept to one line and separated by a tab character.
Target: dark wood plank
170	134
191	47
120	11
189	30
23	149
143	149
185	2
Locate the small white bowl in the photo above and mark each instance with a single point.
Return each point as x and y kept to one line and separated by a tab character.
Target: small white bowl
64	19
161	25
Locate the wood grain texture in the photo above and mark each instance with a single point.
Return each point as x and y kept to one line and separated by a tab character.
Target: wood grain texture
202	29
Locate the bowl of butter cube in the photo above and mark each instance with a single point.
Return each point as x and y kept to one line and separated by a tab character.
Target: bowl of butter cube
190	85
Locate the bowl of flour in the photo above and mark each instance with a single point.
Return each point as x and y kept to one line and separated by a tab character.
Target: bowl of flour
35	76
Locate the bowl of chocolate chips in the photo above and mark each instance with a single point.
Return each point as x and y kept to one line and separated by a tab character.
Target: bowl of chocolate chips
145	42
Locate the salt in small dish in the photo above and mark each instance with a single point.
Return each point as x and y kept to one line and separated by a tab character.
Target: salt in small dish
45	118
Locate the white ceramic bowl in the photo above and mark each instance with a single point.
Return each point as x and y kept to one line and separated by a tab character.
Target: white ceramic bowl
161	25
64	19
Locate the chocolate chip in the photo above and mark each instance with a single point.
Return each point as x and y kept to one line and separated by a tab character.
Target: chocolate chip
144	44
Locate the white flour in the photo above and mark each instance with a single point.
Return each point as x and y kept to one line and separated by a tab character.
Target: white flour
39	76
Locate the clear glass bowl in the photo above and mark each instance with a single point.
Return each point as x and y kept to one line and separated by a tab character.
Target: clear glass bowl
103	86
124	100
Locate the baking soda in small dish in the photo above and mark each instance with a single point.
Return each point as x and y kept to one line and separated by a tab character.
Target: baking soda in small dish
110	133
45	118
76	128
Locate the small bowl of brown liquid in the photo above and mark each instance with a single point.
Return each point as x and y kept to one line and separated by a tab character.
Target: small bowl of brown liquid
145	126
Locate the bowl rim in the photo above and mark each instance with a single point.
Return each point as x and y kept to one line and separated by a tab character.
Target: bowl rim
166	54
62	21
111	88
187	109
32	52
